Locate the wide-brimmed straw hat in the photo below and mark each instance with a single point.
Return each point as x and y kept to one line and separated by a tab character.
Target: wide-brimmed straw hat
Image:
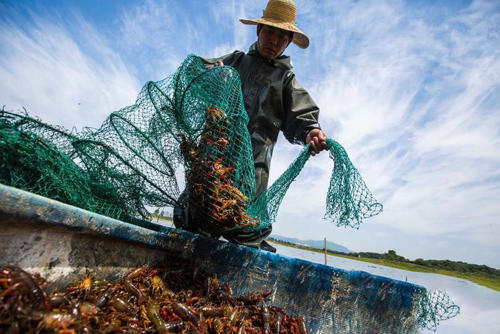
282	14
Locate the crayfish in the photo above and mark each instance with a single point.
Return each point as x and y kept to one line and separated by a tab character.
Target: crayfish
214	197
147	300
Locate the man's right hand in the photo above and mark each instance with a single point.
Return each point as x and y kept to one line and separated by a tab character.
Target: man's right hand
317	139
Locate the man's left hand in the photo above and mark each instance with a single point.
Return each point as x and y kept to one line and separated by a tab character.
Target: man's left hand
317	139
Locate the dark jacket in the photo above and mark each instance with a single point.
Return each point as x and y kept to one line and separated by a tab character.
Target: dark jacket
274	101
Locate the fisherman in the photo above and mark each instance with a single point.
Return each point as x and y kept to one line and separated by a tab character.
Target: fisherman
273	99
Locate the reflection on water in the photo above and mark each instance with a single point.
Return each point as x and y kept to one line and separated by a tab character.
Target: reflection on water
479	306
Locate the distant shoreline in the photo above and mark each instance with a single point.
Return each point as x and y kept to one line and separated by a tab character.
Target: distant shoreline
478	278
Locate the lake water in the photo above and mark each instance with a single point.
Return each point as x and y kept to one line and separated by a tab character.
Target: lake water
479	306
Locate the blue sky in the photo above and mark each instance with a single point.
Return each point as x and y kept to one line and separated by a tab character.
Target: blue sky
410	89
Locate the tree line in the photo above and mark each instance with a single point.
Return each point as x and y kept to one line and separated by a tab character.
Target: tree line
391	255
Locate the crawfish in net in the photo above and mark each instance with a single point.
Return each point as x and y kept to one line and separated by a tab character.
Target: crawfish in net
217	152
212	184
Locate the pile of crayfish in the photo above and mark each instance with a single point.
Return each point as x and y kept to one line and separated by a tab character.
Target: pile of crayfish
146	300
214	197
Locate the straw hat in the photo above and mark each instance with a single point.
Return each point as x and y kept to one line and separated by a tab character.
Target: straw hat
282	14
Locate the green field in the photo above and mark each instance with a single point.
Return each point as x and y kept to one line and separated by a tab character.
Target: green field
478	278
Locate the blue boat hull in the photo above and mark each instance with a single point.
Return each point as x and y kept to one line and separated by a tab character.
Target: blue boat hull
63	242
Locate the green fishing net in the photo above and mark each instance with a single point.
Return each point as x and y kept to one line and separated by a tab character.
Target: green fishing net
34	157
186	131
348	200
434	307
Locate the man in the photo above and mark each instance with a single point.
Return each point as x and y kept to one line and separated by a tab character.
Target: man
273	99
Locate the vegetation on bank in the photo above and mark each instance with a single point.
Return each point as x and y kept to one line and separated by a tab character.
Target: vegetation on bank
480	274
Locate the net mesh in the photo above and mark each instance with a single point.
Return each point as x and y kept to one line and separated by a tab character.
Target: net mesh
193	121
186	132
434	307
348	200
37	157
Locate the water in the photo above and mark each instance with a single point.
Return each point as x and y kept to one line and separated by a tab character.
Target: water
479	306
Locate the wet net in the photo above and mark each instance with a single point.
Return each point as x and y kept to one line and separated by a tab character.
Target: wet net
187	131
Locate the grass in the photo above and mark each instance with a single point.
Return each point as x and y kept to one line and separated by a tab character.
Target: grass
167	219
478	278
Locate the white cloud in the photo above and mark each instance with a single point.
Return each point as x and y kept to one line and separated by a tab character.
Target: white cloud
153	33
406	97
47	70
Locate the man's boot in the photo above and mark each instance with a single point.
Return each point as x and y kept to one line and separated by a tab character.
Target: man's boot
264	245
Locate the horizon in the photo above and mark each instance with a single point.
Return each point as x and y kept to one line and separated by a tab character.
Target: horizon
410	89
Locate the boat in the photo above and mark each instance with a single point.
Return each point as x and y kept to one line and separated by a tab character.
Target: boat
64	243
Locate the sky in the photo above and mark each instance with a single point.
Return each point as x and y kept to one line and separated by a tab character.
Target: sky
411	89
